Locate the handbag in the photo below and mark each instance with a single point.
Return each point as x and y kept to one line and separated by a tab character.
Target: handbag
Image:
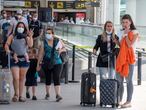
105	57
48	63
64	56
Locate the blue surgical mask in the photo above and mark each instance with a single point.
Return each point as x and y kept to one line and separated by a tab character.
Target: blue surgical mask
48	36
109	33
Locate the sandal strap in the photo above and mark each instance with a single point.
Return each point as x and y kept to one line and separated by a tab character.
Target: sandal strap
21	99
15	98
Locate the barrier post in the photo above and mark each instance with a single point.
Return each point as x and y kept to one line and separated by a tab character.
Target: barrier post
139	67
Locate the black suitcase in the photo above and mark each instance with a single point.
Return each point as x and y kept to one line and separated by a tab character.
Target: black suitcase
109	92
88	89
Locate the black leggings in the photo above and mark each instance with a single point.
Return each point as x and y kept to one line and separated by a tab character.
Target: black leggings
53	73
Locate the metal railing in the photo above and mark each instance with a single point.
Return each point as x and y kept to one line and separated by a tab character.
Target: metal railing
86	35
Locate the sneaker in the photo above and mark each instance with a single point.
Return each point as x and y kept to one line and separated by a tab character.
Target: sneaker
34	98
27	95
47	96
58	98
126	105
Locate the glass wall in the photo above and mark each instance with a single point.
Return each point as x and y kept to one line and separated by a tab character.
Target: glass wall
86	35
122	8
82	35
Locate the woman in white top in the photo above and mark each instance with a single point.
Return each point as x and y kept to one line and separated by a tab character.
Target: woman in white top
128	26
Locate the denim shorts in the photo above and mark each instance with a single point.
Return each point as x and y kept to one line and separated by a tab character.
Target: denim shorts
20	64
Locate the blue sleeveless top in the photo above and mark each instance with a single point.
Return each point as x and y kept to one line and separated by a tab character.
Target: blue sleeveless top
48	50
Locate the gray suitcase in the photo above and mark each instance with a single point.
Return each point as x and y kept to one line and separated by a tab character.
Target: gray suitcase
109	89
109	92
5	76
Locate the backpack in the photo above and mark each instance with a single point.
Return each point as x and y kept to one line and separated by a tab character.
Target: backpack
5	26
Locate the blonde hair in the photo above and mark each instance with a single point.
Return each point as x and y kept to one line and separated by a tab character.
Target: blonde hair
104	34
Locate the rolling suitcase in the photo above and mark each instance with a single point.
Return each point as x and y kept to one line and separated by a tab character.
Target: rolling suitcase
88	87
109	90
5	76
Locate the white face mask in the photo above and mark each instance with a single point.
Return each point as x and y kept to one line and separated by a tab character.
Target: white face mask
48	36
35	19
5	15
19	16
108	32
20	30
8	21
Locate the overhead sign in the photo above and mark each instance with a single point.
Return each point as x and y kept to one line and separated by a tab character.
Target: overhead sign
66	5
35	4
60	5
14	3
80	5
56	4
27	4
52	5
87	0
69	5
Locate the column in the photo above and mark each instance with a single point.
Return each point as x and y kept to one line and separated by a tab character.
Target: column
44	3
113	11
131	8
101	12
1	4
140	13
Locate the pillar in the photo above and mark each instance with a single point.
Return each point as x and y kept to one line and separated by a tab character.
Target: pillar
113	11
131	8
44	3
1	4
140	13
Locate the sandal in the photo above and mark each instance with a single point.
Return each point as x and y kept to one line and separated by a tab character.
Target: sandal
15	98
22	99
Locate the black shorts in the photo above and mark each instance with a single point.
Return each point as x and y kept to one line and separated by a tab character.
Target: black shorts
20	64
31	78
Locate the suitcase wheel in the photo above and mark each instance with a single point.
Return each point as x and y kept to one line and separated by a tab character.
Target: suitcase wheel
114	105
101	104
117	105
94	104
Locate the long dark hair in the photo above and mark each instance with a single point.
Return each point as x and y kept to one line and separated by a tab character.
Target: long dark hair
127	16
25	29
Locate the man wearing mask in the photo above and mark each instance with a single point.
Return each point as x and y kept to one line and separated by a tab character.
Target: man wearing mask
18	18
26	15
4	26
37	28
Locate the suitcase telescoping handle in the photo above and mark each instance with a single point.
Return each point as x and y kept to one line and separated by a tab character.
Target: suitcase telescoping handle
9	58
90	61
